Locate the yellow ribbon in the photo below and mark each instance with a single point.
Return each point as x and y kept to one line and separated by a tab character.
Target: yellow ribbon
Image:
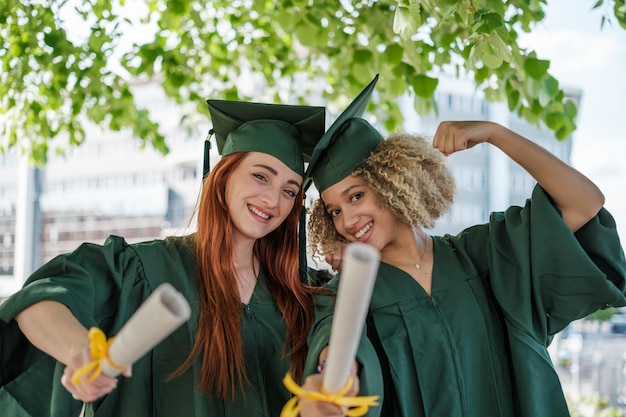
99	350
358	406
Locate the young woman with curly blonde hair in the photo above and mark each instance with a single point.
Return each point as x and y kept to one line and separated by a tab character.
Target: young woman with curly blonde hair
423	187
459	325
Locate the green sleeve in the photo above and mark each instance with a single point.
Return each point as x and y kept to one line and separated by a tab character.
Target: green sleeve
89	281
544	276
319	277
101	285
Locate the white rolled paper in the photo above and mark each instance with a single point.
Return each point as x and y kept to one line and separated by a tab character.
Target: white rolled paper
356	282
162	313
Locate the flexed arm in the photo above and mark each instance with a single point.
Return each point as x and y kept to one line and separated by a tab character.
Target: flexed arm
578	198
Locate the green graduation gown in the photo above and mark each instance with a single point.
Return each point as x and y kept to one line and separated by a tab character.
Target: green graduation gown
103	285
477	346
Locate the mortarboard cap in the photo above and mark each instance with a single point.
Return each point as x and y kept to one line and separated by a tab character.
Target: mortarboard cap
347	143
287	132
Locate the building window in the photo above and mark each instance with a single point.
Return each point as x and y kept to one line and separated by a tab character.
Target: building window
7	240
470	178
468	214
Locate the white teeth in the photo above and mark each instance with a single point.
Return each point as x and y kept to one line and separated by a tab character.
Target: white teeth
258	213
363	231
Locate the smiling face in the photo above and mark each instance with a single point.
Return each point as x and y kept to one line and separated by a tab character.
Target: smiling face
358	216
260	193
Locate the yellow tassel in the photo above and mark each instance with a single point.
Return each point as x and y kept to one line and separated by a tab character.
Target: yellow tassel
99	350
358	406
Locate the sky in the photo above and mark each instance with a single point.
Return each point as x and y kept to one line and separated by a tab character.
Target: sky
592	59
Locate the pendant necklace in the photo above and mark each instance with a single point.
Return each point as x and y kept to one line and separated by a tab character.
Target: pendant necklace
417	265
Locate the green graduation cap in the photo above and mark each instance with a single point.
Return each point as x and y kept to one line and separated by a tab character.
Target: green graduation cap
287	132
347	143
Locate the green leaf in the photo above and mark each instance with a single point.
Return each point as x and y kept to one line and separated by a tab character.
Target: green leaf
481	74
36	107
406	20
465	12
513	97
619	8
362	55
423	86
199	48
487	22
306	34
361	72
563	133
555	120
284	18
489	57
499	48
570	109
39	153
178	7
475	57
492	60
550	86
426	5
415	9
393	54
423	106
52	39
536	68
531	116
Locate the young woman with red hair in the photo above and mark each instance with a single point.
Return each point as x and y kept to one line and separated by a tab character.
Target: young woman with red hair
239	272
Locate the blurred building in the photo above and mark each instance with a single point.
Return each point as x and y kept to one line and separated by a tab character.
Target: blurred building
8	199
110	185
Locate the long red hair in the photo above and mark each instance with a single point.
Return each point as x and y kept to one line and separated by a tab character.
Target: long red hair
218	337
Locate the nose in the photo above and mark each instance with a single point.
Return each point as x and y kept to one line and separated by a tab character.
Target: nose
271	197
350	219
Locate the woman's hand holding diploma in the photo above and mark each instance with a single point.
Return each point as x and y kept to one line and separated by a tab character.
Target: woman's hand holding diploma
356	283
336	386
92	371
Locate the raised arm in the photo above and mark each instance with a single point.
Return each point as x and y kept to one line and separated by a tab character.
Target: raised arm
52	328
578	198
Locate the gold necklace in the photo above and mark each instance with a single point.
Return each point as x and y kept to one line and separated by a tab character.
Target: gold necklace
417	265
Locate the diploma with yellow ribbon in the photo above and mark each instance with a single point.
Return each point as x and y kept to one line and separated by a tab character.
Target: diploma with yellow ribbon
356	406
356	283
163	312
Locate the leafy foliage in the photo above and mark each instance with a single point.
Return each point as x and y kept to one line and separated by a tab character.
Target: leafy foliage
53	81
603	314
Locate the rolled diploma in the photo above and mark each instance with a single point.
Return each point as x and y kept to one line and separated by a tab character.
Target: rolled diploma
356	283
162	313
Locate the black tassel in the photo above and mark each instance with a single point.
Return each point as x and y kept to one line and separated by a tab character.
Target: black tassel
206	167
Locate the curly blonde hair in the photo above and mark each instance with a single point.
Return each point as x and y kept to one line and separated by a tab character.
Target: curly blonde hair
407	175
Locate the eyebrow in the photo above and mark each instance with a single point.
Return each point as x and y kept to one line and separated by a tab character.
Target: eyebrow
343	194
274	172
350	188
